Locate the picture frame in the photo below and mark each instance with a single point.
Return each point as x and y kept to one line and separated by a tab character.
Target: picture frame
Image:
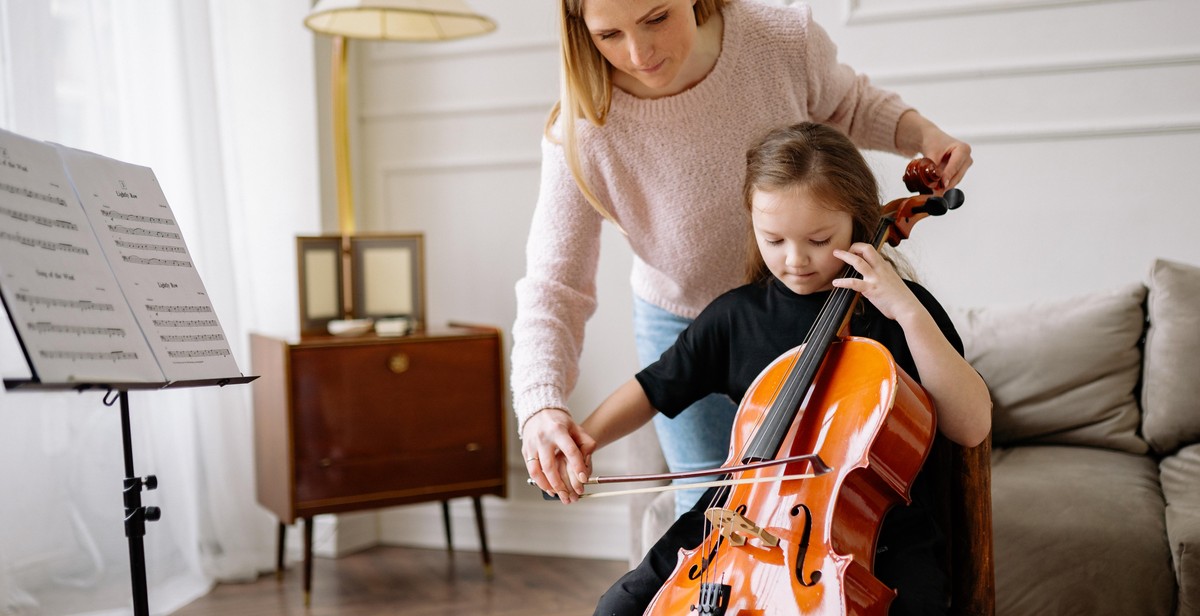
387	277
319	261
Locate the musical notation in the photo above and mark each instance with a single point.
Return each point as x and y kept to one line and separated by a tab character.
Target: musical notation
165	308
44	327
193	338
36	243
155	261
196	354
102	288
89	355
41	220
25	192
123	230
53	302
186	323
115	215
158	247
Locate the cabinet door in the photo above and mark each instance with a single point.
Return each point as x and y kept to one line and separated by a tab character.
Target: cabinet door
378	421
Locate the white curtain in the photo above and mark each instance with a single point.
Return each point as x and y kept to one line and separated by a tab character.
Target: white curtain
217	96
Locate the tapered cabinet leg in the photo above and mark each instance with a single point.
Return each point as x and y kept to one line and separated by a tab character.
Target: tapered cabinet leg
280	546
446	526
308	550
483	546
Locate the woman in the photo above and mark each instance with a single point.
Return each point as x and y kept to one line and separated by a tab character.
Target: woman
660	100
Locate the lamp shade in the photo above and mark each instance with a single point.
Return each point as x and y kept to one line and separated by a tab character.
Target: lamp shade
397	20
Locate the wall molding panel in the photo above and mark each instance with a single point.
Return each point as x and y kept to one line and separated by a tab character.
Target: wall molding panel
1080	131
859	12
1055	66
389	169
390	53
493	107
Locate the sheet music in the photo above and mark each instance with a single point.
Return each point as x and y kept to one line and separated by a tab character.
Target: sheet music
145	248
65	302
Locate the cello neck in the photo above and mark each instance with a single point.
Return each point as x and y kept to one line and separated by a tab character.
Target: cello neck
831	323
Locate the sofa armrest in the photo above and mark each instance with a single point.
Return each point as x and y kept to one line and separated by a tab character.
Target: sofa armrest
1180	474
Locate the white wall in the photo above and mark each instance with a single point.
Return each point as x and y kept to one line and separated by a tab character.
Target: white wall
1084	116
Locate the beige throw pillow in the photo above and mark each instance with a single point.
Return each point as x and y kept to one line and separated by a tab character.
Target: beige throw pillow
1171	386
1061	372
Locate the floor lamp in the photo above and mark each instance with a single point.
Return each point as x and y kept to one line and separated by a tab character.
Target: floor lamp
383	20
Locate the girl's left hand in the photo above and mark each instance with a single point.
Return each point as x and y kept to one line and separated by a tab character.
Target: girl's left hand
880	283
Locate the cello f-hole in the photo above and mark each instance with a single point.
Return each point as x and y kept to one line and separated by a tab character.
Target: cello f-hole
803	551
696	572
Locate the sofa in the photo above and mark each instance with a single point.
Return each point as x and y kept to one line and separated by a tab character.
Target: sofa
1095	463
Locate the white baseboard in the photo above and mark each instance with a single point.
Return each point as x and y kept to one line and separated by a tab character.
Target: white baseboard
521	524
335	536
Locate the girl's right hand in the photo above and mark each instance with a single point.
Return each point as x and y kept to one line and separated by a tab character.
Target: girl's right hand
557	453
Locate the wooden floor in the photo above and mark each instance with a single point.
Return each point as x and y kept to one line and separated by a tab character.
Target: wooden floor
417	582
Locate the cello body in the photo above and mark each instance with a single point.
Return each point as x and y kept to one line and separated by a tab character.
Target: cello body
807	546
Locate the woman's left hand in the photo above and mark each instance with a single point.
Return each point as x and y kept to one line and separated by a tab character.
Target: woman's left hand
915	133
952	156
880	283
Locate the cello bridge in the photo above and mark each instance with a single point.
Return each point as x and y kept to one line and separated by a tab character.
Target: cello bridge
736	527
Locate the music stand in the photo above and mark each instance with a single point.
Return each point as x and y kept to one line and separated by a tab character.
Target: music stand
136	515
102	293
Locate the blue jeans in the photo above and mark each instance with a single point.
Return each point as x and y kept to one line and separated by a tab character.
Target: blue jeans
699	436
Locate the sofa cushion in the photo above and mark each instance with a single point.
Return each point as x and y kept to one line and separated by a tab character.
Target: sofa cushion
1061	372
1171	383
1180	475
1067	519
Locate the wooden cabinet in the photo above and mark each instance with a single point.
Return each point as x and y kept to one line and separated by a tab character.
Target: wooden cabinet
343	424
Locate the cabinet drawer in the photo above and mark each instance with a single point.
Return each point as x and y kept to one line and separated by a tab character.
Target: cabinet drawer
396	417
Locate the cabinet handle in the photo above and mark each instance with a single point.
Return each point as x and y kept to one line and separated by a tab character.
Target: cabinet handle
398	363
472	447
326	462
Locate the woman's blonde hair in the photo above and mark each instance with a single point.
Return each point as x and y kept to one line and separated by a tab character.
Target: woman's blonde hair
821	159
586	86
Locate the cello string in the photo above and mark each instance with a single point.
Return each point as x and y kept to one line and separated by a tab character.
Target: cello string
823	327
773	419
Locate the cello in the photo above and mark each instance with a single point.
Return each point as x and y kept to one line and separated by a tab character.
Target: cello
848	431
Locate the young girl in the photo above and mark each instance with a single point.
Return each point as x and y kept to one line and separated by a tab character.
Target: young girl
814	205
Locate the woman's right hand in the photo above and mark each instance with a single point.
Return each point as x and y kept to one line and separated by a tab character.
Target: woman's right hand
557	453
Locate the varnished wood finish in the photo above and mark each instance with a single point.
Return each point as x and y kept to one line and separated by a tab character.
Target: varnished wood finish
344	424
963	484
974	576
873	426
421	582
273	457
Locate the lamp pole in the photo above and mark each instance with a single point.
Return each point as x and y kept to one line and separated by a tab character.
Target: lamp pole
341	163
341	137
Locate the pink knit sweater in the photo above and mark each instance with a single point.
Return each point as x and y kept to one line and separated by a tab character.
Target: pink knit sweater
671	171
